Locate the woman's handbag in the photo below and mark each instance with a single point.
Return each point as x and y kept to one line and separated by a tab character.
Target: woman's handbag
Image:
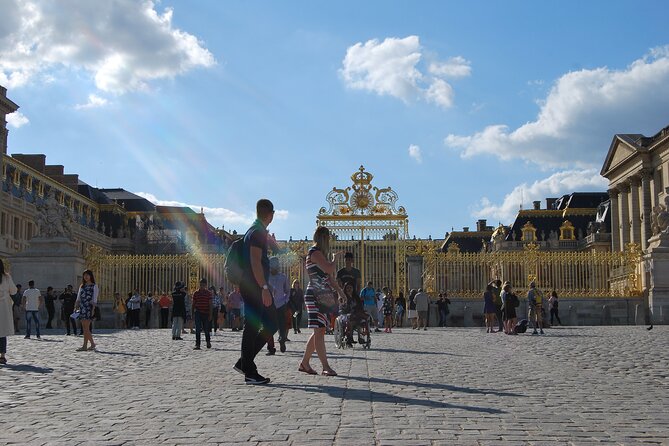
326	300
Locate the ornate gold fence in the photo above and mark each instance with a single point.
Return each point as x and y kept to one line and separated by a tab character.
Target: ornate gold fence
158	273
465	275
571	274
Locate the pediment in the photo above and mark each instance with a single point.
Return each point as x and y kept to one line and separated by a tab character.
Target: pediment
619	152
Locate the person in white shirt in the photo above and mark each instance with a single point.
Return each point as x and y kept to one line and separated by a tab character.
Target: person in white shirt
422	300
134	304
7	289
31	303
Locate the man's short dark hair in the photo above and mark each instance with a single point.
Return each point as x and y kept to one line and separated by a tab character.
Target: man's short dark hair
31	283
348	255
49	288
203	280
264	207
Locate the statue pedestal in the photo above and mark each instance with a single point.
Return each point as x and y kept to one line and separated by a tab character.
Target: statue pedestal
54	262
656	261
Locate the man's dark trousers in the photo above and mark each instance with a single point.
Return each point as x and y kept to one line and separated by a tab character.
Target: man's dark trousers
51	311
260	324
498	313
202	322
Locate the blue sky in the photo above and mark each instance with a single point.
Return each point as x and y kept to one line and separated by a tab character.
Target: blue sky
462	107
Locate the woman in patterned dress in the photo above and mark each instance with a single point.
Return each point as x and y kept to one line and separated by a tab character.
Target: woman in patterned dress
321	276
87	299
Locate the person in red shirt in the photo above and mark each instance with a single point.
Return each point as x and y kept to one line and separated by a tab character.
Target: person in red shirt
202	307
164	303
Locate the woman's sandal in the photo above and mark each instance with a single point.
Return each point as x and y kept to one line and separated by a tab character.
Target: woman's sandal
329	373
92	348
308	371
82	349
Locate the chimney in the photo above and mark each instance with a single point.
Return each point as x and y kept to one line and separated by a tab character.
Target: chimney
465	229
550	203
537	205
36	162
481	225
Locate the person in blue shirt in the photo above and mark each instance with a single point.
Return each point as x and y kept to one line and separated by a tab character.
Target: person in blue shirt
368	296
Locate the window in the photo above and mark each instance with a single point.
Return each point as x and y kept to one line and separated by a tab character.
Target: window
529	232
29	231
567	231
17	228
3	224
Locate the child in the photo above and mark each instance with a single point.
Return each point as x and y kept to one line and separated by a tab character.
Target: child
388	307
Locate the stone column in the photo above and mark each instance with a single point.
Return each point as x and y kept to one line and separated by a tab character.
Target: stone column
646	208
623	211
635	210
615	221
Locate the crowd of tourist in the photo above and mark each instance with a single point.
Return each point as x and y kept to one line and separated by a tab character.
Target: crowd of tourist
263	302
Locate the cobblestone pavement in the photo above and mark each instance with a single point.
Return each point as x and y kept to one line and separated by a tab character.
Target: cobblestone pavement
582	385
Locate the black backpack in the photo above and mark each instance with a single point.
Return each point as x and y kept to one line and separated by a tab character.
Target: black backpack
521	327
234	261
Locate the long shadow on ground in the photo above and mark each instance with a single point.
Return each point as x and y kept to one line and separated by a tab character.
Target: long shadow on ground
370	395
413	352
434	386
101	352
27	368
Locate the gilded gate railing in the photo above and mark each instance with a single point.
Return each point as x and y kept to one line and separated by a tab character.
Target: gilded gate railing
158	273
463	275
571	274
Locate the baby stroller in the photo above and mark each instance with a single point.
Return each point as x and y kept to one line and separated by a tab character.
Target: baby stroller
347	325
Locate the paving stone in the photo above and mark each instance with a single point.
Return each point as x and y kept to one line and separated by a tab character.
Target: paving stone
578	385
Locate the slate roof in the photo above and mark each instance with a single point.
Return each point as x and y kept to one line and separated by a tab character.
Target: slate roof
579	208
130	201
470	241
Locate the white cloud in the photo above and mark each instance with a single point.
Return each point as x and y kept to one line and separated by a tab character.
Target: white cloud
454	67
415	153
393	68
558	184
580	115
94	101
216	216
441	93
123	44
17	119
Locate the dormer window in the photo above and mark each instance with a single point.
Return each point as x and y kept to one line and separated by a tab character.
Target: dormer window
529	232
567	231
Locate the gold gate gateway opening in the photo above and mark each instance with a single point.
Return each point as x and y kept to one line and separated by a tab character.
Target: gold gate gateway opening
366	221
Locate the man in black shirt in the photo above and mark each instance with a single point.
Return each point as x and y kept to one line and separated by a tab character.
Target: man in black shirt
68	299
16	307
349	274
50	304
260	322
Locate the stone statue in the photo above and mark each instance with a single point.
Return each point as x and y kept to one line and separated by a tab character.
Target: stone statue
139	223
659	220
53	220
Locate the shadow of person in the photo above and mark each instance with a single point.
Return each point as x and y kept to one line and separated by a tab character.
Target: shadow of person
27	368
434	386
102	352
374	396
413	352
